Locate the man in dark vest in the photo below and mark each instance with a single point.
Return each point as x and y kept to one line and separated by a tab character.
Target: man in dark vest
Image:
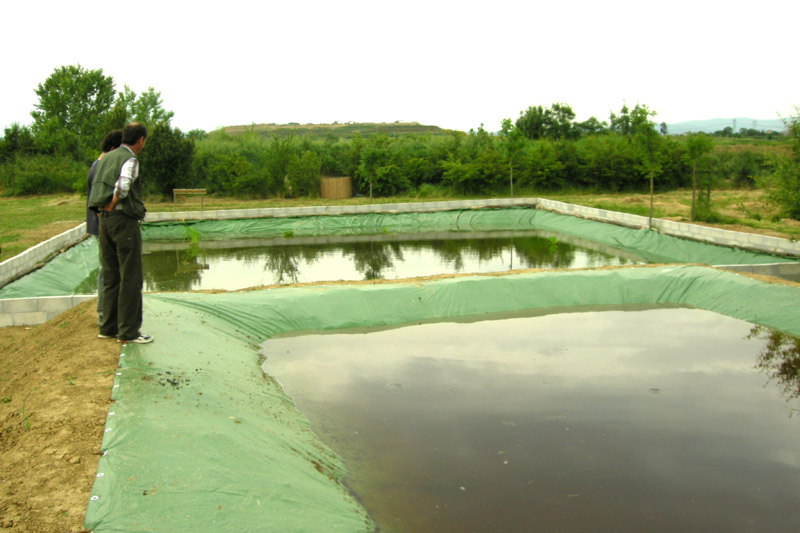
117	196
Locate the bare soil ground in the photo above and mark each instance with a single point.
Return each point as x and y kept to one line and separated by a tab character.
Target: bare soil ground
55	383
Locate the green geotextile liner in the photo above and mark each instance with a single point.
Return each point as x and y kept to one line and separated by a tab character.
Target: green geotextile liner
198	440
652	246
72	272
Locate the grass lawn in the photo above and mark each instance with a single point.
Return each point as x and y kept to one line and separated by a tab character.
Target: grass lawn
26	221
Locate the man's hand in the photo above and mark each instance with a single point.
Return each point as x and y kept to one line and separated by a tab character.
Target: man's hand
110	205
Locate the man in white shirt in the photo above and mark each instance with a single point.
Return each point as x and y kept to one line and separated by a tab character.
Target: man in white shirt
117	196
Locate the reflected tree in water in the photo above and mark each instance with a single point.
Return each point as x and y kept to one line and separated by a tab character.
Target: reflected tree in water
450	251
371	259
173	270
780	359
282	261
181	270
538	252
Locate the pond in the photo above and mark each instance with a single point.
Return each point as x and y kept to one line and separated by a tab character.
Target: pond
231	265
632	419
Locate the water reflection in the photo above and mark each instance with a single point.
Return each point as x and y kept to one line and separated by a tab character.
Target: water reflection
780	359
635	421
174	270
242	264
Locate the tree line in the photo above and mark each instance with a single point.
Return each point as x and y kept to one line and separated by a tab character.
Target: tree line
544	149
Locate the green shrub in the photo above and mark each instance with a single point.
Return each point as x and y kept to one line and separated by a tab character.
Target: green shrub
42	174
233	173
167	161
485	174
704	212
303	174
785	188
539	166
429	190
378	171
610	162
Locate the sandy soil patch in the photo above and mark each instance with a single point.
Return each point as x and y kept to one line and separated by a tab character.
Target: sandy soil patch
55	383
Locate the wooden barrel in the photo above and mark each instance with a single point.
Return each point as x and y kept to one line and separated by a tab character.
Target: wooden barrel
336	188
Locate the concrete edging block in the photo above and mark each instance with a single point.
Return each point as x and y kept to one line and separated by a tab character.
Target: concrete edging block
20	305
29	319
54	304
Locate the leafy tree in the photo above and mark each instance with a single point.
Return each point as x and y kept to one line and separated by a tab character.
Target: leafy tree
644	132
333	155
532	122
608	162
303	174
513	143
353	155
555	122
147	108
640	128
16	140
76	100
484	174
622	123
559	122
697	146
418	170
51	138
278	157
232	173
540	166
476	142
128	107
41	174
591	126
673	168
196	134
378	171
167	160
116	117
786	190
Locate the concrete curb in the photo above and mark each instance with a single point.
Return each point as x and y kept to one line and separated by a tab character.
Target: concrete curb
33	311
685	230
15	312
35	256
415	207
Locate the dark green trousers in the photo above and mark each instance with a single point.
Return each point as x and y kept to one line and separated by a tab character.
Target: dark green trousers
120	242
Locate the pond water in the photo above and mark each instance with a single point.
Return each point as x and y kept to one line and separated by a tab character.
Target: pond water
231	265
634	420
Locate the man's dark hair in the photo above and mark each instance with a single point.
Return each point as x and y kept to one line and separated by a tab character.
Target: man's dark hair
111	141
133	132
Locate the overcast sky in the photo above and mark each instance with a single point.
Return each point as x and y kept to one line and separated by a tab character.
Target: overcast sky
452	64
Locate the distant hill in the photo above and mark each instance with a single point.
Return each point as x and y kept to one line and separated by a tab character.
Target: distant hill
718	124
345	129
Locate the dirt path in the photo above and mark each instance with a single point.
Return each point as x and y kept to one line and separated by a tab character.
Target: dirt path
55	381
